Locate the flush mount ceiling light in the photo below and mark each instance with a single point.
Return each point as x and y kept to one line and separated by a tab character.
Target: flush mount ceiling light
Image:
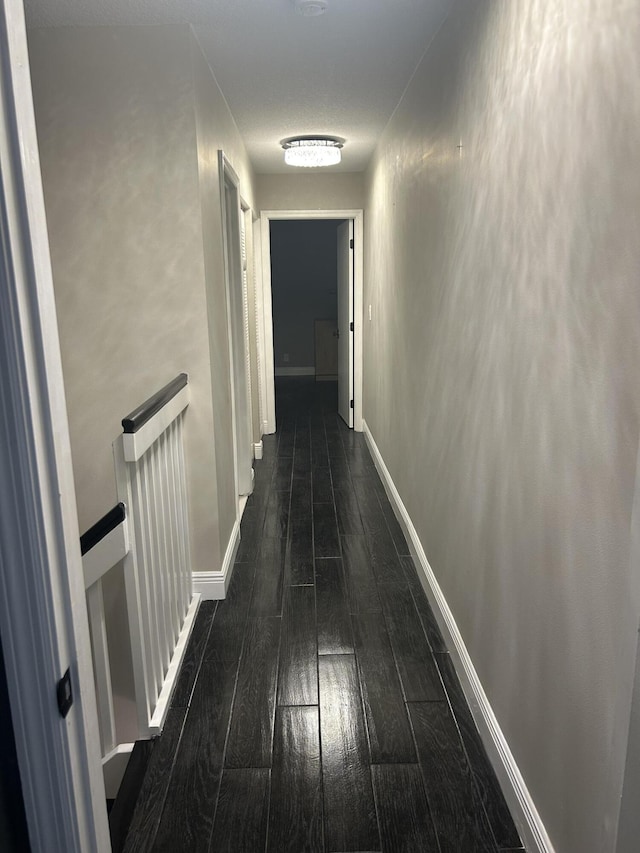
311	8
312	151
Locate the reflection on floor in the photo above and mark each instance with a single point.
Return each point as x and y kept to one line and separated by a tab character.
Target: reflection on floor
317	709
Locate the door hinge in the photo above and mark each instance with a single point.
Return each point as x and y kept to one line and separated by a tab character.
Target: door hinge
351	244
351	404
351	326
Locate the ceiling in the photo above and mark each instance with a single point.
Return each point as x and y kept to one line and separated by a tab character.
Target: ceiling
341	73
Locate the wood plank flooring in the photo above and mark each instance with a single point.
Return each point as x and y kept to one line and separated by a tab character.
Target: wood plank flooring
318	709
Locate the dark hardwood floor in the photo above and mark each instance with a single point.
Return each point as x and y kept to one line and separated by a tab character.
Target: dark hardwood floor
317	708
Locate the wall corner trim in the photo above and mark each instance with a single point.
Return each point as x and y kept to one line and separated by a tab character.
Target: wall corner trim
528	821
213	586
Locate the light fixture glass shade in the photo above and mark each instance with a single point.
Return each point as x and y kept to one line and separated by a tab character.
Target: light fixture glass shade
311	152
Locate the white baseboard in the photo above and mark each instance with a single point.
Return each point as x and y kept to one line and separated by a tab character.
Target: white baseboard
213	586
295	371
532	831
258	449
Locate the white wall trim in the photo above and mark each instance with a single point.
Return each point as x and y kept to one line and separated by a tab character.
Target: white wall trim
532	831
295	371
267	308
213	586
258	450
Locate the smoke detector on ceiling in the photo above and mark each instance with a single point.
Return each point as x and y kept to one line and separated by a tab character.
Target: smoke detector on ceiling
311	8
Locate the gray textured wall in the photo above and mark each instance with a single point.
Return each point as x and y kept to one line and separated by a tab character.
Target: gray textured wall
129	125
116	131
216	130
503	351
305	191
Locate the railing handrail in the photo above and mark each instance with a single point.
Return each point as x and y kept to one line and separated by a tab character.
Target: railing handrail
146	424
98	531
144	412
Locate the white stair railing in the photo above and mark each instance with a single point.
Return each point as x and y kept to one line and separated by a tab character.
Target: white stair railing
148	532
104	546
151	482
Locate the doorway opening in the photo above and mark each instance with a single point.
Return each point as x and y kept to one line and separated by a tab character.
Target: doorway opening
312	304
312	307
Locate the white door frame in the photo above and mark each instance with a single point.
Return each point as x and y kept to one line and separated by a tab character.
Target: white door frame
246	226
266	344
345	240
240	397
260	325
43	617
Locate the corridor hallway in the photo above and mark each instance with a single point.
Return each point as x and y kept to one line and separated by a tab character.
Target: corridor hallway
317	708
